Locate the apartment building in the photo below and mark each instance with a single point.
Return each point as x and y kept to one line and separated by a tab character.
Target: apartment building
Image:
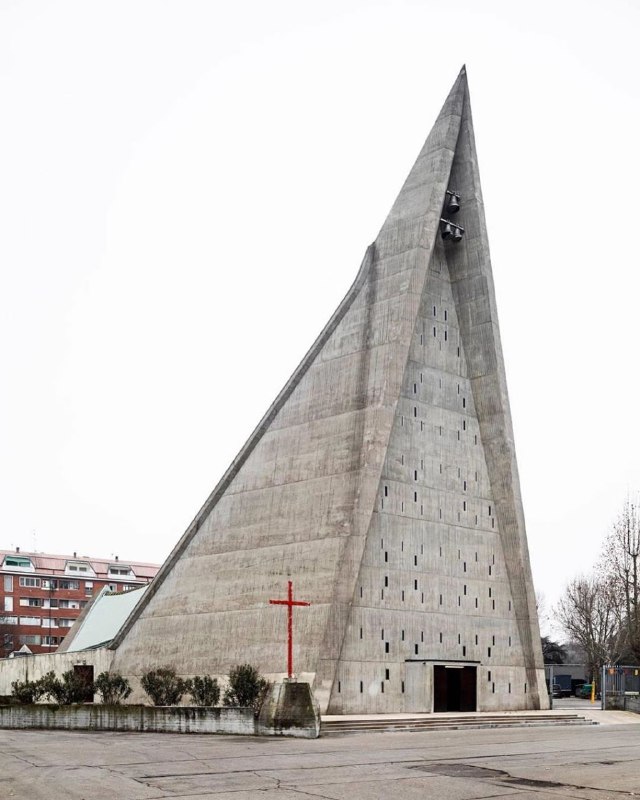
42	595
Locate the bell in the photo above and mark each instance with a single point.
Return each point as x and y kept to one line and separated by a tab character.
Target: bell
457	234
446	230
453	203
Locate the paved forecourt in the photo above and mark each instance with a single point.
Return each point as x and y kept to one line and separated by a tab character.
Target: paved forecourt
599	762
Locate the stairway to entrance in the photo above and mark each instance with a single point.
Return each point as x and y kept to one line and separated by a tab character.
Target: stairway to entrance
442	722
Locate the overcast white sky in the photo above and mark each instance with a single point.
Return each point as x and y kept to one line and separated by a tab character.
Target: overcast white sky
186	192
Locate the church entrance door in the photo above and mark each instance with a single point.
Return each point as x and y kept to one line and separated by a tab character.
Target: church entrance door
454	688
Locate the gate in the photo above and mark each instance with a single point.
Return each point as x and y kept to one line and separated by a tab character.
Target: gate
620	683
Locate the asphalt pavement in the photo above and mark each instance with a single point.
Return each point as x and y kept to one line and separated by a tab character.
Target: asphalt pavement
598	762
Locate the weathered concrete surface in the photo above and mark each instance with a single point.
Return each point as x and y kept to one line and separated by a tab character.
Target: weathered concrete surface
164	719
290	710
33	667
383	480
597	763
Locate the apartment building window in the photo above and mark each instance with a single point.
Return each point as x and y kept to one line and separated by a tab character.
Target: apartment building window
88	587
119	570
8	583
30	639
9	620
29	582
17	562
68	584
50	640
8	603
65	623
33	602
30	621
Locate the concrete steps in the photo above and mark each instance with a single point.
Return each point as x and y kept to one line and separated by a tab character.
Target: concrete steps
448	722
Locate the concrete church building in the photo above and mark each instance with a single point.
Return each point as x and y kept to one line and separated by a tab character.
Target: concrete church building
382	481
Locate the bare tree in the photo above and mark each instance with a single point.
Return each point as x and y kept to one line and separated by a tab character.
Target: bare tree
620	566
590	615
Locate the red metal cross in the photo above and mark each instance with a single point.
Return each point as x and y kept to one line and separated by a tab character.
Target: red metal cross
290	603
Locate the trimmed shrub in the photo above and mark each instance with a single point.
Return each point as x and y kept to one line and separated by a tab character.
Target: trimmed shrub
204	690
247	688
27	692
164	687
112	688
70	688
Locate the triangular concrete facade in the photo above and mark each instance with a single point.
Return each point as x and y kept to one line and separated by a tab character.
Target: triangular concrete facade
382	480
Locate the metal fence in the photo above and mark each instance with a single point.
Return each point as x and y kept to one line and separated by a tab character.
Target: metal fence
619	683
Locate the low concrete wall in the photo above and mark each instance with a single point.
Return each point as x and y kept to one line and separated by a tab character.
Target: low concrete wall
623	702
156	719
33	667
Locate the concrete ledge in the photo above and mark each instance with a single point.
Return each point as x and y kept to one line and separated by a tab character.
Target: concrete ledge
155	719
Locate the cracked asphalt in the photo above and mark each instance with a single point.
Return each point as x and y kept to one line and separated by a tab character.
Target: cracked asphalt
588	763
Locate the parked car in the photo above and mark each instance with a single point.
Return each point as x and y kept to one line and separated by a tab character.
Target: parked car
584	691
556	690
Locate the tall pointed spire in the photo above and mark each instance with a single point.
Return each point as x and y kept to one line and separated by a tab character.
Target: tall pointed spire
382	480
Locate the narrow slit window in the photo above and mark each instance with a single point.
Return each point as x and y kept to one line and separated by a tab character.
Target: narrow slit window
361	633
386	581
386	647
441	638
464	650
386	674
415	474
416	648
361	687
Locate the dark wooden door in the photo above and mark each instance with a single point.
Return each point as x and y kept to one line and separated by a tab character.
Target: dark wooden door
468	689
85	671
439	688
